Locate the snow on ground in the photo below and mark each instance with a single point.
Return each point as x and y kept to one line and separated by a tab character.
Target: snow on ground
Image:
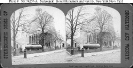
64	57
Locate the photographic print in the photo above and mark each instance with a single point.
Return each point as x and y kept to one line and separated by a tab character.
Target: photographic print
94	29
66	35
87	34
37	32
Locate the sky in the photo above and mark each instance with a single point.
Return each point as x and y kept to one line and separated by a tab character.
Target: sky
115	14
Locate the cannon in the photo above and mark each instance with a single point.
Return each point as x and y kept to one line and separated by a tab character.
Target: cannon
33	47
91	46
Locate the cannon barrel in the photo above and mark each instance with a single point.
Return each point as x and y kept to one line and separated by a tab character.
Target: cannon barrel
33	46
91	46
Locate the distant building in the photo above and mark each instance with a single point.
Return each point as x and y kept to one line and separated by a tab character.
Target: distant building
107	39
92	38
35	39
86	38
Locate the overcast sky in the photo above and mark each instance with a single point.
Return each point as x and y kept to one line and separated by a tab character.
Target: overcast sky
115	14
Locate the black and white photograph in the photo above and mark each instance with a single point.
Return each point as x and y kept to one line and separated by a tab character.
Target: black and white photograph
45	35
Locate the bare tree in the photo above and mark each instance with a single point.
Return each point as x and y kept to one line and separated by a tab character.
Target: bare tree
76	19
55	34
44	19
68	33
112	34
102	18
73	23
15	25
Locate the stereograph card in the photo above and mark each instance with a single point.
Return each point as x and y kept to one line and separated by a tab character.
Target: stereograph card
66	35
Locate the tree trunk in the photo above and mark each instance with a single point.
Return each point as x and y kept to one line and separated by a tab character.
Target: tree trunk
72	52
42	39
100	41
42	48
14	49
101	44
14	44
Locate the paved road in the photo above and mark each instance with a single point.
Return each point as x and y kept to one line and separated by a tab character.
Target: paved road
64	57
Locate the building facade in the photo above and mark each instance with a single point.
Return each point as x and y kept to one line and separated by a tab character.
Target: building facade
49	40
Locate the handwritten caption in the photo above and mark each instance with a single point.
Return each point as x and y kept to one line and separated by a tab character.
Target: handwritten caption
65	1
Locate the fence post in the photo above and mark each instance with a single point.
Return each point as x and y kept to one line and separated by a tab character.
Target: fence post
82	52
25	55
